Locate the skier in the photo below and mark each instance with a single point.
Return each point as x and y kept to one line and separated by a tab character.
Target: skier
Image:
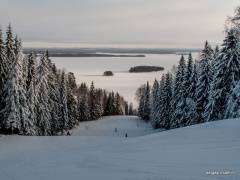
115	129
126	135
68	133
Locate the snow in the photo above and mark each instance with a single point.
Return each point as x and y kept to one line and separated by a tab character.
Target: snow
95	151
88	69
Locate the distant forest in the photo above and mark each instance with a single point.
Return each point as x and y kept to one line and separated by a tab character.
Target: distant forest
139	69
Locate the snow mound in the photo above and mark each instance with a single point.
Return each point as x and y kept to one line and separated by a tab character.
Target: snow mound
98	152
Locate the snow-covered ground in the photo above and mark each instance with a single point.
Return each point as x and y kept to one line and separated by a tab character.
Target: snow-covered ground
88	69
95	151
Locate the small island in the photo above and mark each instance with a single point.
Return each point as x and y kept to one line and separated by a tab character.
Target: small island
108	73
139	69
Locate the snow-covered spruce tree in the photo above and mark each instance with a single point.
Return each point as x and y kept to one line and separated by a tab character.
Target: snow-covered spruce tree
216	52
160	100
94	105
32	89
126	111
3	72
227	74
154	104
16	112
189	92
233	102
140	97
44	109
119	110
54	95
178	118
73	114
131	109
99	94
204	82
84	108
109	105
166	102
63	112
10	47
147	105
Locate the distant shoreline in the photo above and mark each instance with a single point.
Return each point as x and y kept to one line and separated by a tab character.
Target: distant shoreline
91	55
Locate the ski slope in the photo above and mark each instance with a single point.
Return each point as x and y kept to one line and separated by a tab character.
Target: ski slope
94	151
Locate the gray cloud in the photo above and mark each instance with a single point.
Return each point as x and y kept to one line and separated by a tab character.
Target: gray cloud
156	22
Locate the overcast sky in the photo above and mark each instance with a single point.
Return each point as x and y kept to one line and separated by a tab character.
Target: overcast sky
117	23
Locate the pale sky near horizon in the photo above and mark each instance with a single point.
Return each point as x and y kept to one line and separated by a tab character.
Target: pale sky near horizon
117	23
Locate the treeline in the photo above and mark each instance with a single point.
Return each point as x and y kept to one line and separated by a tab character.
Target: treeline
139	69
36	98
200	91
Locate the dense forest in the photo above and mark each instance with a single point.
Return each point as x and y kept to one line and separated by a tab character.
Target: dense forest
207	89
36	98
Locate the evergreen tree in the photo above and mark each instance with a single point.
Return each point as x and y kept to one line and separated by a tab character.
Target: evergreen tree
131	109
141	92
155	104
119	110
204	81
63	116
189	92
16	112
10	47
44	109
166	102
233	102
94	105
178	118
3	72
126	108
227	74
147	106
84	108
160	100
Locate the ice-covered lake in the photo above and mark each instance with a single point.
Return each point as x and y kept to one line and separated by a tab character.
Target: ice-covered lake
88	69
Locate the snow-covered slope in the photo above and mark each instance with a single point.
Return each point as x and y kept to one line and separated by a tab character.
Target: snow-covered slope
95	151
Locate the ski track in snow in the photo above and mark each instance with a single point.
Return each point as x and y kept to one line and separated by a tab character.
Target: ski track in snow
95	151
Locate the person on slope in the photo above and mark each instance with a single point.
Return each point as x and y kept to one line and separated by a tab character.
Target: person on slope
68	133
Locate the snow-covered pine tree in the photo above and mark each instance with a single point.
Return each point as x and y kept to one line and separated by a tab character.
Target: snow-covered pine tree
118	105
178	118
160	100
204	81
10	47
147	105
131	109
189	94
3	72
166	102
16	112
140	97
126	112
84	108
154	104
73	114
63	112
94	105
44	109
227	74
233	102
216	52
109	105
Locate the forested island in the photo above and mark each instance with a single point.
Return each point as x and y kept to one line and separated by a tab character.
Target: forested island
139	69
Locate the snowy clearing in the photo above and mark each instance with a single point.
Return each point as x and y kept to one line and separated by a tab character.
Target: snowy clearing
95	151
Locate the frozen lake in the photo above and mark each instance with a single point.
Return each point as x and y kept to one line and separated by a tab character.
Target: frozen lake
88	69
